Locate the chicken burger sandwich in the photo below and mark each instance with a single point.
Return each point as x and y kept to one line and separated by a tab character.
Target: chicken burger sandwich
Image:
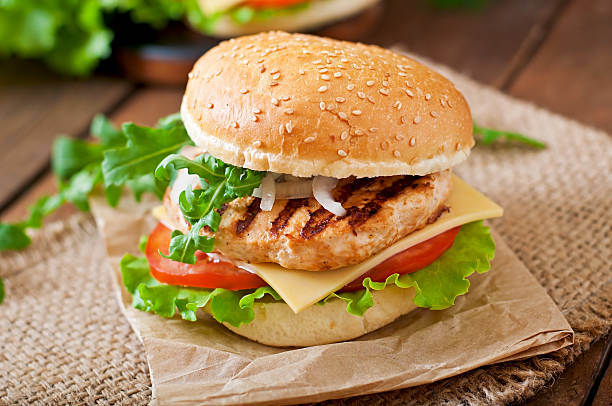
317	202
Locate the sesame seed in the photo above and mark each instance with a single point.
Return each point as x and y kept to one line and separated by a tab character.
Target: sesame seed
356	112
257	144
396	154
273	83
317	62
340	99
370	83
322	89
249	46
235	124
361	95
276	76
289	111
331	106
385	83
325	77
342	115
404	74
289	127
427	96
399	137
350	87
323	70
308	140
254	118
434	114
275	101
244	91
358	131
262	69
408	84
384	145
322	106
256	110
373	129
409	92
398	104
337	74
285	98
450	104
344	135
403	120
417	119
371	100
384	91
442	103
342	153
190	75
281	129
412	141
344	60
210	105
273	71
457	147
301	71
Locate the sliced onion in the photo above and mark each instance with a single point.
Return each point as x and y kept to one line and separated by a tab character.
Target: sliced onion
290	190
322	187
268	192
183	179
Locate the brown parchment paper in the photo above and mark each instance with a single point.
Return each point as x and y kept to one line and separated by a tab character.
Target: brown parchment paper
506	316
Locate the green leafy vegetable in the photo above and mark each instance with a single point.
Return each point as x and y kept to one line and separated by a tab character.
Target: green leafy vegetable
437	285
233	307
78	165
489	136
221	183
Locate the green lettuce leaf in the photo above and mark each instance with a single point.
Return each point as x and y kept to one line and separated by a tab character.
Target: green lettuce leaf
437	286
233	307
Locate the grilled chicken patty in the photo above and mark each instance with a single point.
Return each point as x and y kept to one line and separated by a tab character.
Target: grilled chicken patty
300	234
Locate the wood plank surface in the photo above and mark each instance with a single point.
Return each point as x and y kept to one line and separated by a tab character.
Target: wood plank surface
483	43
603	396
575	384
35	106
571	72
144	107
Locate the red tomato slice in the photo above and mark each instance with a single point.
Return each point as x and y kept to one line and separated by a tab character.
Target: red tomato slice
409	260
273	3
205	273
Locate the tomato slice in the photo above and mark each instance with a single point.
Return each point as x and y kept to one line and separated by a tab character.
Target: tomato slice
409	260
273	3
205	273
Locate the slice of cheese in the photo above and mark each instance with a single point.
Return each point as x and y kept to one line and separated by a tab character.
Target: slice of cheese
301	289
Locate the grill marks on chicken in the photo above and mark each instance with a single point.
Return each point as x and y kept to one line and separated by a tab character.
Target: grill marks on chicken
300	234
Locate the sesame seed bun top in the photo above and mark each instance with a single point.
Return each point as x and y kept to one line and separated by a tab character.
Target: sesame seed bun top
307	106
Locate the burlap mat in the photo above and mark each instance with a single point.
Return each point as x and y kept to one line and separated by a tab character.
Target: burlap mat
64	341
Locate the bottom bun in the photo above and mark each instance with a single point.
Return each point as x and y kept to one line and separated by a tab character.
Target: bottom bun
317	14
275	324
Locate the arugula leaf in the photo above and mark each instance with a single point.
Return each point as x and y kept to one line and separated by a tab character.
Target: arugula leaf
78	166
109	135
144	150
489	136
233	307
221	183
437	286
70	155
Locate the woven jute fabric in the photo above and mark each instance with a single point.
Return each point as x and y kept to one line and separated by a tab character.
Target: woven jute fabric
64	341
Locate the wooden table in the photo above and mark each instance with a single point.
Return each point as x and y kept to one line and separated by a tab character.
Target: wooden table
556	53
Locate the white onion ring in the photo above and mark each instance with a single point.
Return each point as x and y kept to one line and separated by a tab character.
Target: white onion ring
183	179
322	187
268	192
